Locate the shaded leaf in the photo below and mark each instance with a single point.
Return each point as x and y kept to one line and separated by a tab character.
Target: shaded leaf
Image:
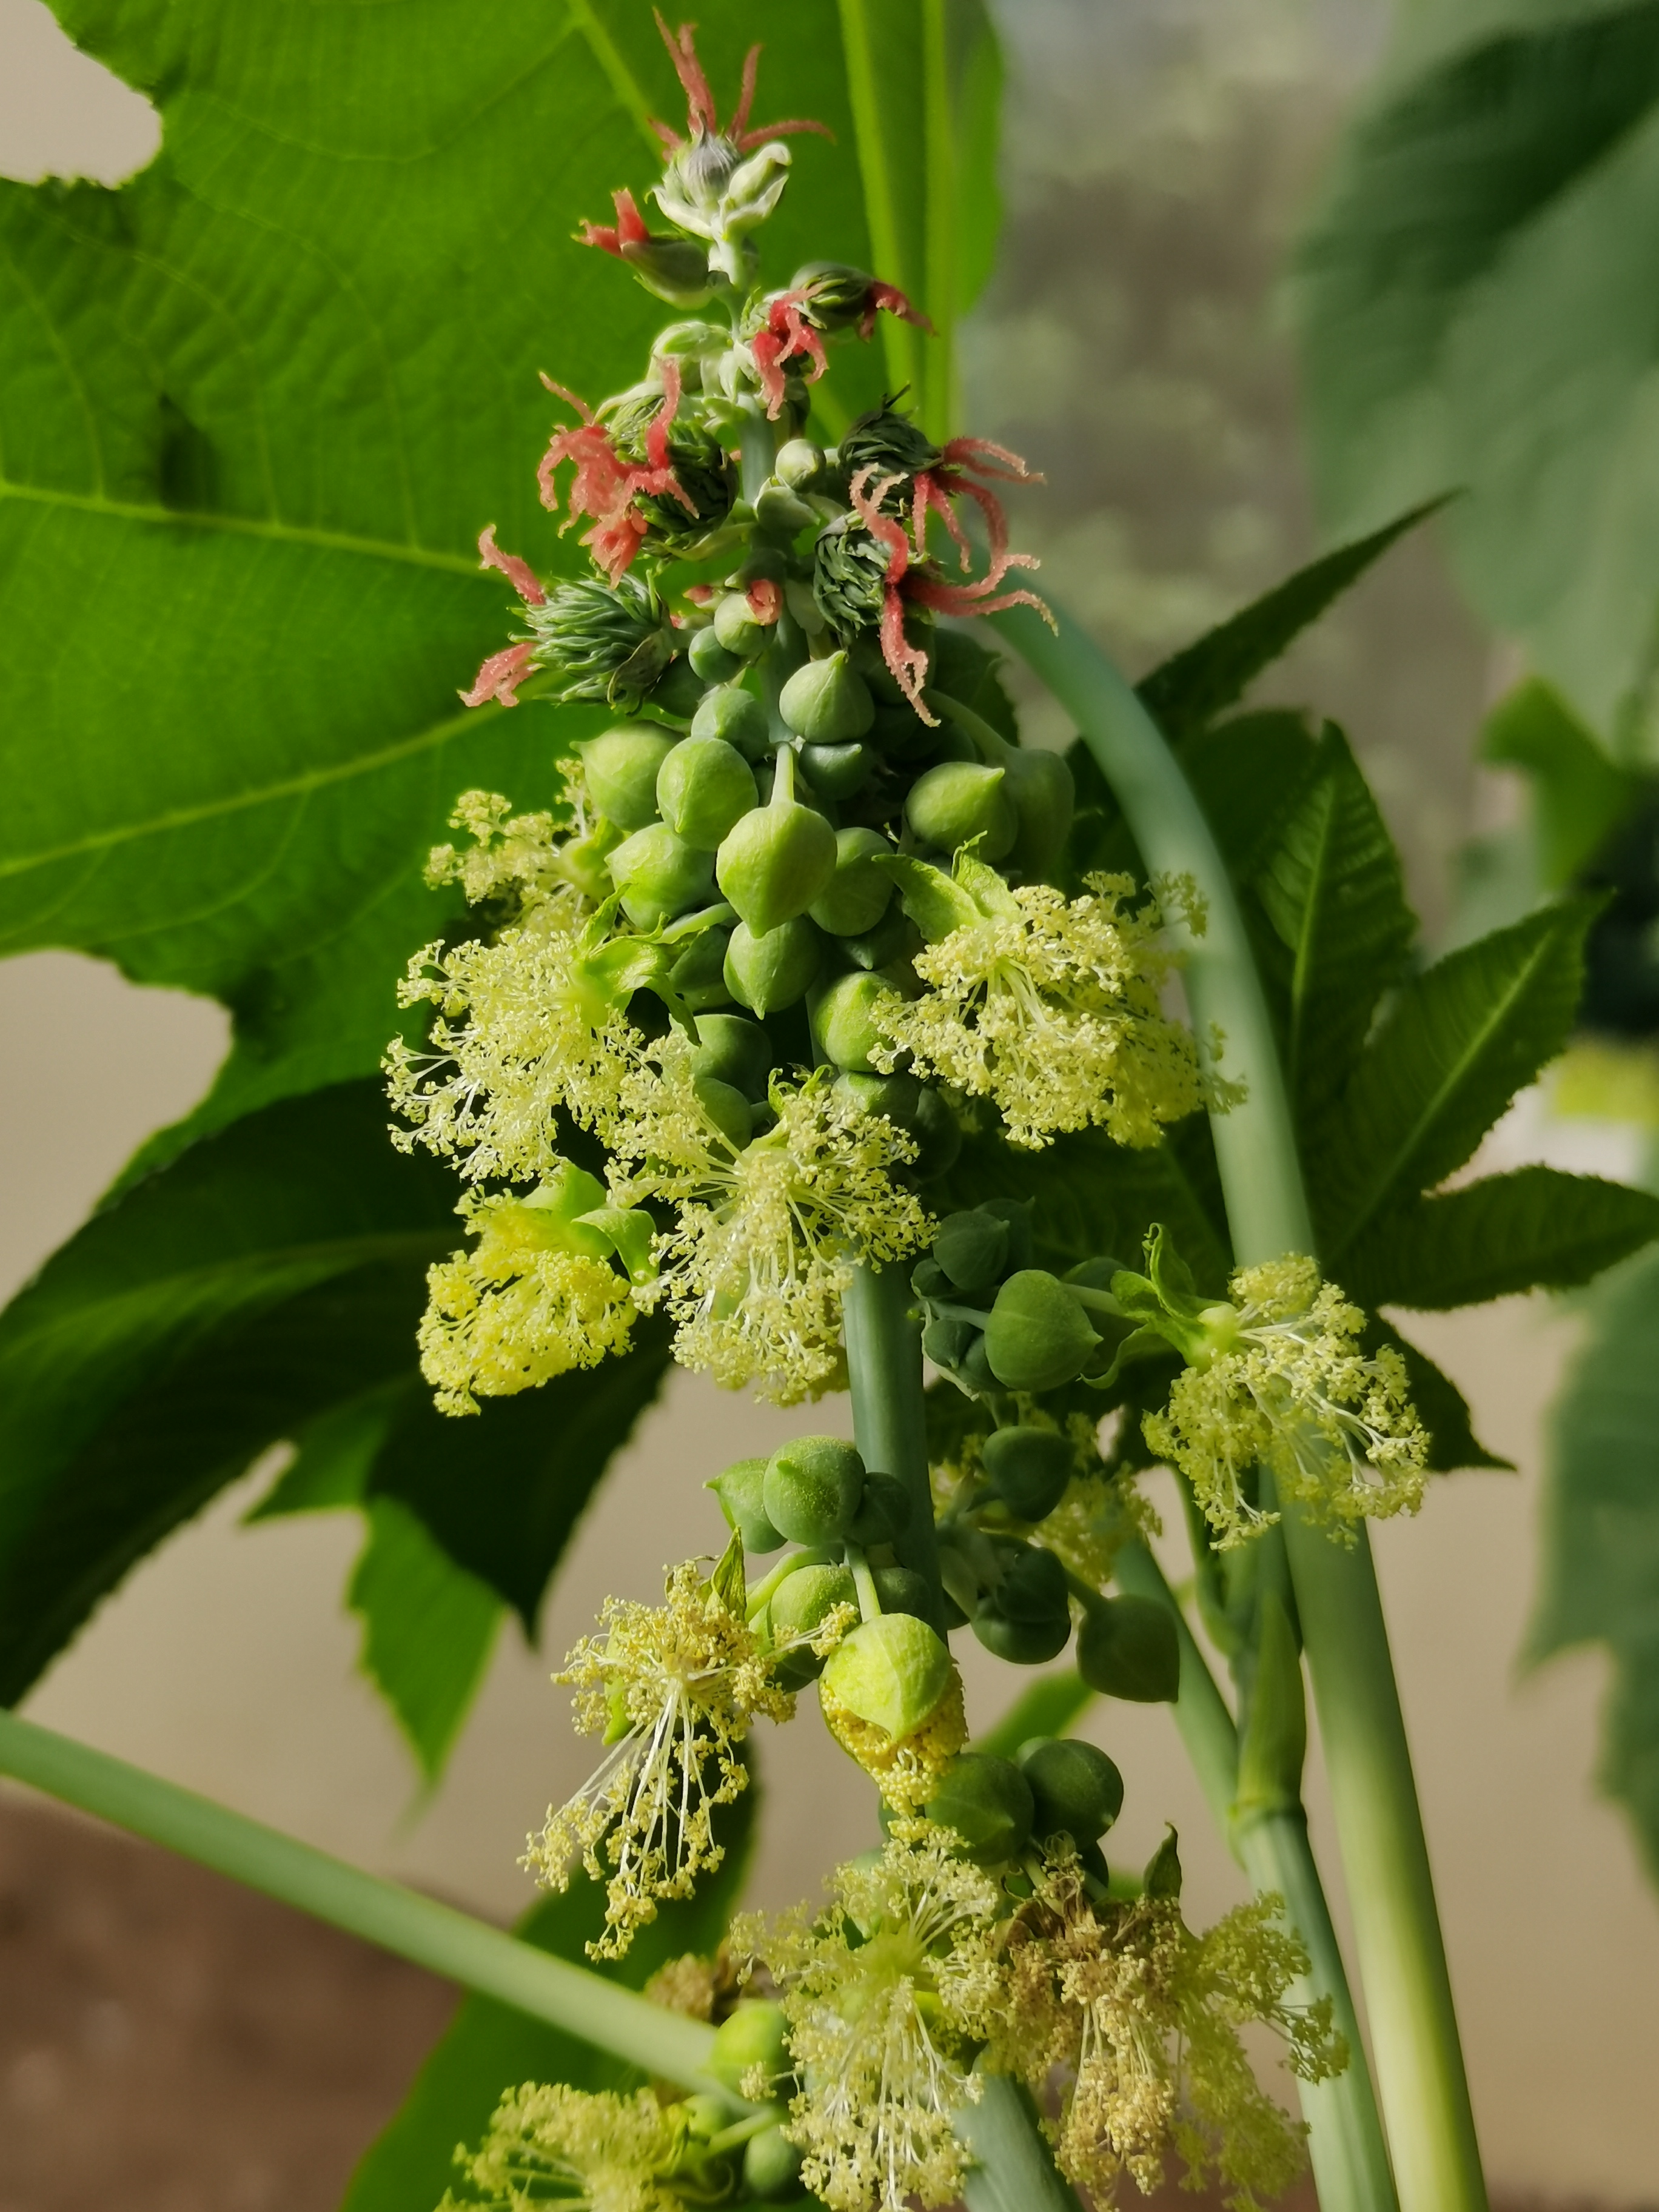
1443	1409
1577	794
428	1630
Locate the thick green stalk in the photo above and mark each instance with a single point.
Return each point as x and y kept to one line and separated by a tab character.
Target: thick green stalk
433	1935
890	1422
944	281
1012	2169
1419	2062
899	339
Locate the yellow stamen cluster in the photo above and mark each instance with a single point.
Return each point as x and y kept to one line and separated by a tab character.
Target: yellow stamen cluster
585	2152
675	1688
767	1236
1140	2019
520	1308
885	1994
1288	1387
1050	1007
907	1770
512	856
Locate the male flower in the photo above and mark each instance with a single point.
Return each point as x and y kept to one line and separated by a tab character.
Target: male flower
547	2144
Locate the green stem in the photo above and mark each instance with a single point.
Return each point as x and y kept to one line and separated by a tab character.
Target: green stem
898	338
890	1422
939	409
1201	1716
433	1935
1012	2169
1419	2063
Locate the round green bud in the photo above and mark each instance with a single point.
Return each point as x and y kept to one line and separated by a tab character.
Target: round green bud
703	787
767	973
859	892
1033	1586
827	701
1128	1647
938	1134
960	800
705	2115
659	875
709	658
730	712
1017	1212
1037	1335
1077	1789
771	2164
697	978
1028	1469
883	1513
897	1098
620	770
1044	793
726	1107
1021	1643
803	1601
989	1803
777	509
946	1341
735	626
974	1369
972	1248
844	1019
838	772
901	1589
891	1672
735	1050
739	1492
813	1485
774	862
799	464
755	2034
894	938
677	690
763	564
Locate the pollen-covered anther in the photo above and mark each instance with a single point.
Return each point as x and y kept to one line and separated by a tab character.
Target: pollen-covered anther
584	2151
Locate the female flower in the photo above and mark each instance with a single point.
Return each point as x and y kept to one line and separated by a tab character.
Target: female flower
1049	1006
886	1995
582	2152
607	484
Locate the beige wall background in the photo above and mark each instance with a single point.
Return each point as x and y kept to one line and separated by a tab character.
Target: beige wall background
228	1664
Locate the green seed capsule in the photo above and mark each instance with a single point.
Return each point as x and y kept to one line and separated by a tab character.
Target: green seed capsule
845	1019
972	1248
897	1098
1037	1335
737	630
1128	1647
778	858
620	770
989	1803
734	1050
755	2034
884	1515
960	800
698	977
1044	793
859	892
891	1672
1022	1643
804	1600
1033	1586
1028	1469
738	1490
709	658
703	787
726	1107
799	464
736	716
1077	1789
838	772
767	973
814	1487
659	875
894	938
827	701
771	2164
901	1589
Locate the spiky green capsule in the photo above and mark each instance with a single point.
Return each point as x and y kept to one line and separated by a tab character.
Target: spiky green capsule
767	973
1037	1335
660	876
814	1487
827	701
703	787
960	801
621	768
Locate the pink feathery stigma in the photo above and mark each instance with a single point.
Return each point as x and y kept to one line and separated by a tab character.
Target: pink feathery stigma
964	454
746	93
906	663
628	230
661	477
888	300
701	118
518	573
500	677
930	496
765	601
787	337
699	101
604	486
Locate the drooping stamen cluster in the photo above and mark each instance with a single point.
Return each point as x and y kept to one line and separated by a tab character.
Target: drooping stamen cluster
582	2151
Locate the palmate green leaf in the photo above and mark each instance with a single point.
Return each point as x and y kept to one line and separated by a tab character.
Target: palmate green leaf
1473	300
428	1630
255	407
1441	1406
1601	1530
271	1275
1577	794
488	2048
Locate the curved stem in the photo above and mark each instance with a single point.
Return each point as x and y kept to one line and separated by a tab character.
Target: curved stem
1419	2062
433	1935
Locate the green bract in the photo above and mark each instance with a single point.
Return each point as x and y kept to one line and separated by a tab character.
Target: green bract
891	1672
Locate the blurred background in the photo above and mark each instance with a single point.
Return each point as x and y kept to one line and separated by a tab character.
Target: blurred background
162	2034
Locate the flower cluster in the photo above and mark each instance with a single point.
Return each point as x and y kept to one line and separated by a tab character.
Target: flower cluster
1278	1379
547	2144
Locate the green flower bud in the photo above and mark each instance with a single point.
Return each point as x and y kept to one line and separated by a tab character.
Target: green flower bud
1037	1335
891	1672
804	1600
738	630
938	1134
659	875
778	858
705	2115
883	1513
1028	1469
755	2034
1128	1647
894	938
710	661
859	892
972	1248
733	1050
1021	1643
771	2164
1033	1585
1017	1212
703	787
960	800
767	973
945	1341
697	978
620	770
989	1803
799	464
1163	1875
726	1107
901	1589
1027	1617
735	714
1044	793
814	1487
738	1490
676	692
1077	1789
778	509
844	1021
838	772
897	1098
827	701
